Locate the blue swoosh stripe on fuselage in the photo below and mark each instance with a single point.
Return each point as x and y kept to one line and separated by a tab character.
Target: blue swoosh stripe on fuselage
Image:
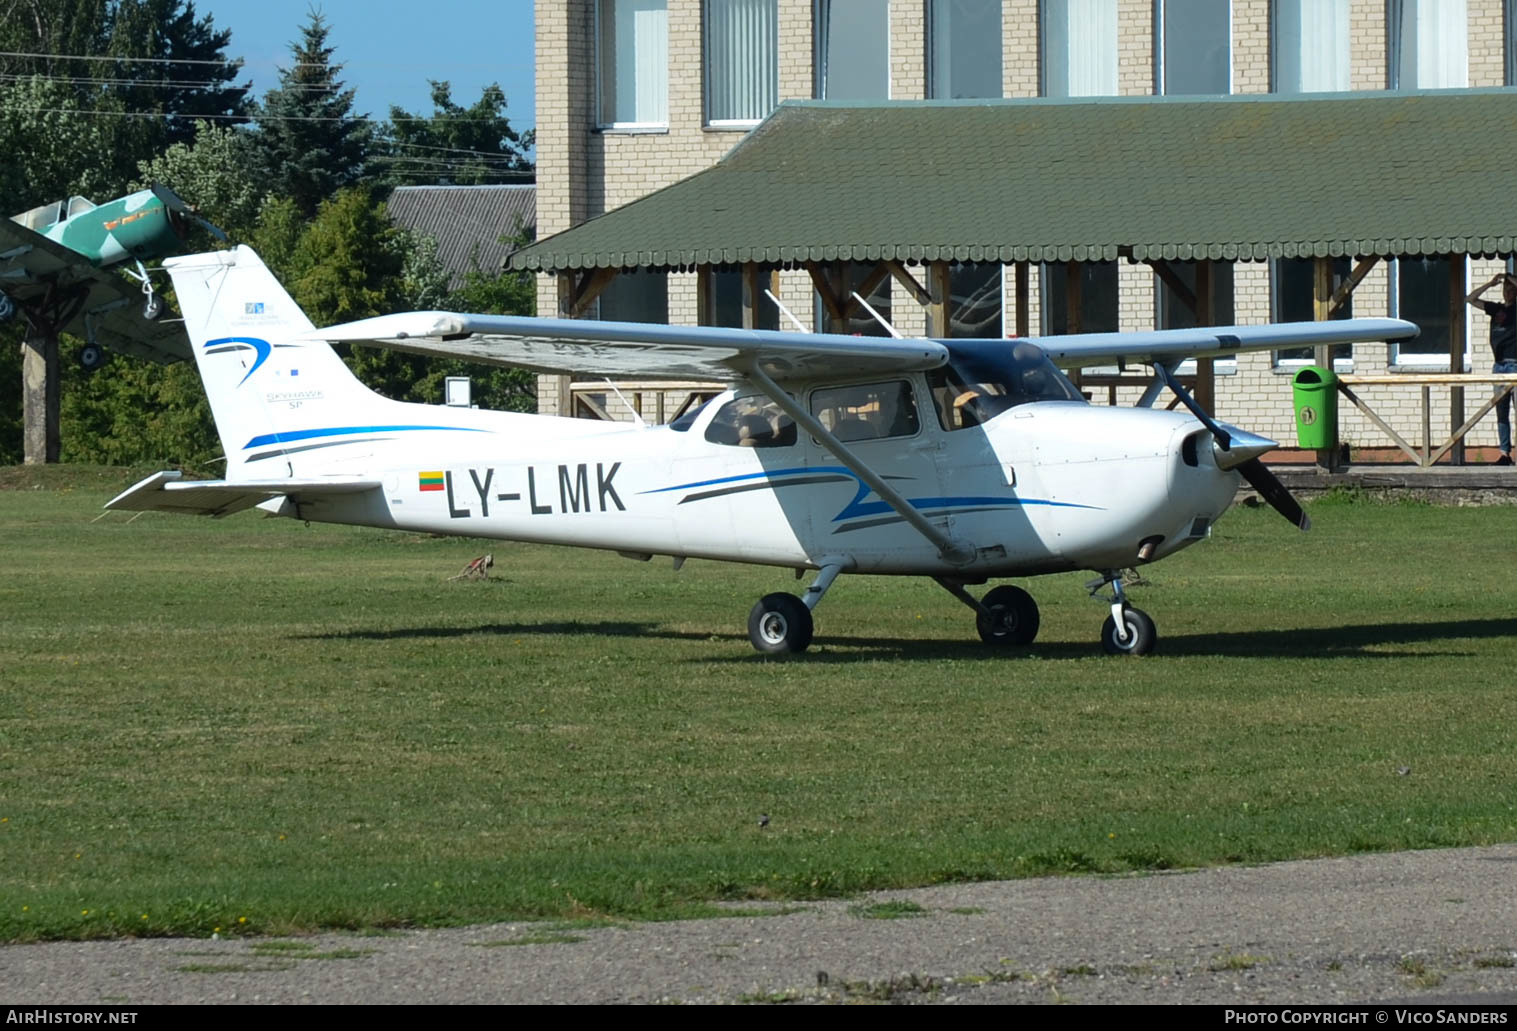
290	436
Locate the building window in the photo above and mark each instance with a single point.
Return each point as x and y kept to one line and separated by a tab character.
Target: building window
742	60
964	49
974	300
1293	296
726	300
1176	314
1194	48
632	37
853	49
635	295
1421	292
1428	44
1098	297
1079	48
1311	46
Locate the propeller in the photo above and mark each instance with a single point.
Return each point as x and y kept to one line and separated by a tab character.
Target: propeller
186	212
1240	450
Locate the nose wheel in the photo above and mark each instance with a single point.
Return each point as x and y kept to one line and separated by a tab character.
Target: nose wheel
1128	630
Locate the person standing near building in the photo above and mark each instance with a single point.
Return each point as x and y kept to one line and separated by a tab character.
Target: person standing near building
1504	349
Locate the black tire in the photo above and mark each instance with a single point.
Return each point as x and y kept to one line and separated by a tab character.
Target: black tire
91	357
152	308
780	624
1015	615
1141	635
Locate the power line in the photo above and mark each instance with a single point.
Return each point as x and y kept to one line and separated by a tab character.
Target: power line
242	118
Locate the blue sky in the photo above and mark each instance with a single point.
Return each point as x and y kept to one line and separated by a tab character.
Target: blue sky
390	48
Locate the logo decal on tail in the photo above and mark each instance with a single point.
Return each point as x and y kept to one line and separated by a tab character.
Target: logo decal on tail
221	344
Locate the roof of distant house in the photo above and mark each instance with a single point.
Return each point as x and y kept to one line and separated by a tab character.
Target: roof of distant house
468	221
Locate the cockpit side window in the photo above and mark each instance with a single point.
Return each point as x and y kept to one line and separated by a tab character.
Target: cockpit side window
982	380
751	422
868	411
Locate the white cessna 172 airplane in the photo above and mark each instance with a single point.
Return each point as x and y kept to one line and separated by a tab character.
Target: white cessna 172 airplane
959	460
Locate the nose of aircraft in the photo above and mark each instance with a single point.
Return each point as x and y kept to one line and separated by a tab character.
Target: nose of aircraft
1242	446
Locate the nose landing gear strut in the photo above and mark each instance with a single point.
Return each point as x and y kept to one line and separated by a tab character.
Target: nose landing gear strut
1128	630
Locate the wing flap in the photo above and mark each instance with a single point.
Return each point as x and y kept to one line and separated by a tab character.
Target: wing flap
637	350
167	492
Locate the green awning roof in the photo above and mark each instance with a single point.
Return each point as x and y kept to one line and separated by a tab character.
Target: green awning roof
1233	178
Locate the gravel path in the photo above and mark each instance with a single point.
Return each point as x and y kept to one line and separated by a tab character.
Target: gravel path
1413	926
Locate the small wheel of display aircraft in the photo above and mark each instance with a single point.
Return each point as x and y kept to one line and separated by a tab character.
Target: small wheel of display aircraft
958	460
59	266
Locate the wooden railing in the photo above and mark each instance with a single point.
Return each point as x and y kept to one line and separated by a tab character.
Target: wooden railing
1429	454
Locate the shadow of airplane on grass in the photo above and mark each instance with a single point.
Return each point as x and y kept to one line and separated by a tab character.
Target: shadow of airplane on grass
1352	641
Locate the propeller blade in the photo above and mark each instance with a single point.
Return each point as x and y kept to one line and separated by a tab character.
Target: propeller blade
178	205
1272	490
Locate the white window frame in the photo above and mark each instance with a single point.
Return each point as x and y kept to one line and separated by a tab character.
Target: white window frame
708	63
1161	86
639	125
1425	361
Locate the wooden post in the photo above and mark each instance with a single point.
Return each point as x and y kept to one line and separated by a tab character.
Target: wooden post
1322	310
939	297
1206	379
1456	351
1023	327
753	295
1074	304
41	441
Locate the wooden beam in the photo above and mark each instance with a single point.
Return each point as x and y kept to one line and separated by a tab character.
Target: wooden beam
1206	315
1167	275
577	293
705	303
822	284
1322	354
1023	327
1346	288
922	295
1074	295
754	284
939	297
1456	351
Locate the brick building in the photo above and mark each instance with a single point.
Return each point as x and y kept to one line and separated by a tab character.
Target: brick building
636	95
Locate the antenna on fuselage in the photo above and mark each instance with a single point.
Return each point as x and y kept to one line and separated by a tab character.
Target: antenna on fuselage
878	317
799	326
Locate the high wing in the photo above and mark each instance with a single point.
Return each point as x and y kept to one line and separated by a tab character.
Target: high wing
647	350
100	304
638	350
1169	346
166	492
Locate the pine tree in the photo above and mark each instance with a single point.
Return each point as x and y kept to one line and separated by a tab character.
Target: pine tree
314	143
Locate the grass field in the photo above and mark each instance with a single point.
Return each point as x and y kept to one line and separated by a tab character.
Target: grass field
255	726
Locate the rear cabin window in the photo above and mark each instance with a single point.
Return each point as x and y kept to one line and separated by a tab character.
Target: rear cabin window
869	411
751	422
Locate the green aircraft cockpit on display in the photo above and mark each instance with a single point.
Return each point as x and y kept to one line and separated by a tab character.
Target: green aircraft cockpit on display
65	267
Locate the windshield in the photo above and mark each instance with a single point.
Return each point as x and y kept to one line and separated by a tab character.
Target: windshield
984	378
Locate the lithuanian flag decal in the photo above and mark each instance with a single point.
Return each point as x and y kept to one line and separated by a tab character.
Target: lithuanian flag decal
430	481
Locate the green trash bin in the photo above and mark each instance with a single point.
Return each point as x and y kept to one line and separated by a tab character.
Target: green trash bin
1315	394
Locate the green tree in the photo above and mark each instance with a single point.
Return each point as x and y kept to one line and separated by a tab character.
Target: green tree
457	146
313	143
221	172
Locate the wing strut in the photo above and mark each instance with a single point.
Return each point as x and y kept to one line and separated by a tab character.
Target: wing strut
951	549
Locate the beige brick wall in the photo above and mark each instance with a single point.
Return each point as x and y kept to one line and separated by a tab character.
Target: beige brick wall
583	172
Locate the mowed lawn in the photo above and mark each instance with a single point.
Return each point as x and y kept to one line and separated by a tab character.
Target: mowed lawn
253	725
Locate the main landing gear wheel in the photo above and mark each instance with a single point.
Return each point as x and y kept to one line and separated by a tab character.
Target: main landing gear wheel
780	624
1141	635
91	357
1013	617
152	308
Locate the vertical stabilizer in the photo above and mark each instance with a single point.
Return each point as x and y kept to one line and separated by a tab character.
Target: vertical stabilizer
271	388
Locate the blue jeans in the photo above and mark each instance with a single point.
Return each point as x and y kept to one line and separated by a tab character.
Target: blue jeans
1504	409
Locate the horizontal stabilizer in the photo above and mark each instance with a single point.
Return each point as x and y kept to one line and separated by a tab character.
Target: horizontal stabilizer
166	492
